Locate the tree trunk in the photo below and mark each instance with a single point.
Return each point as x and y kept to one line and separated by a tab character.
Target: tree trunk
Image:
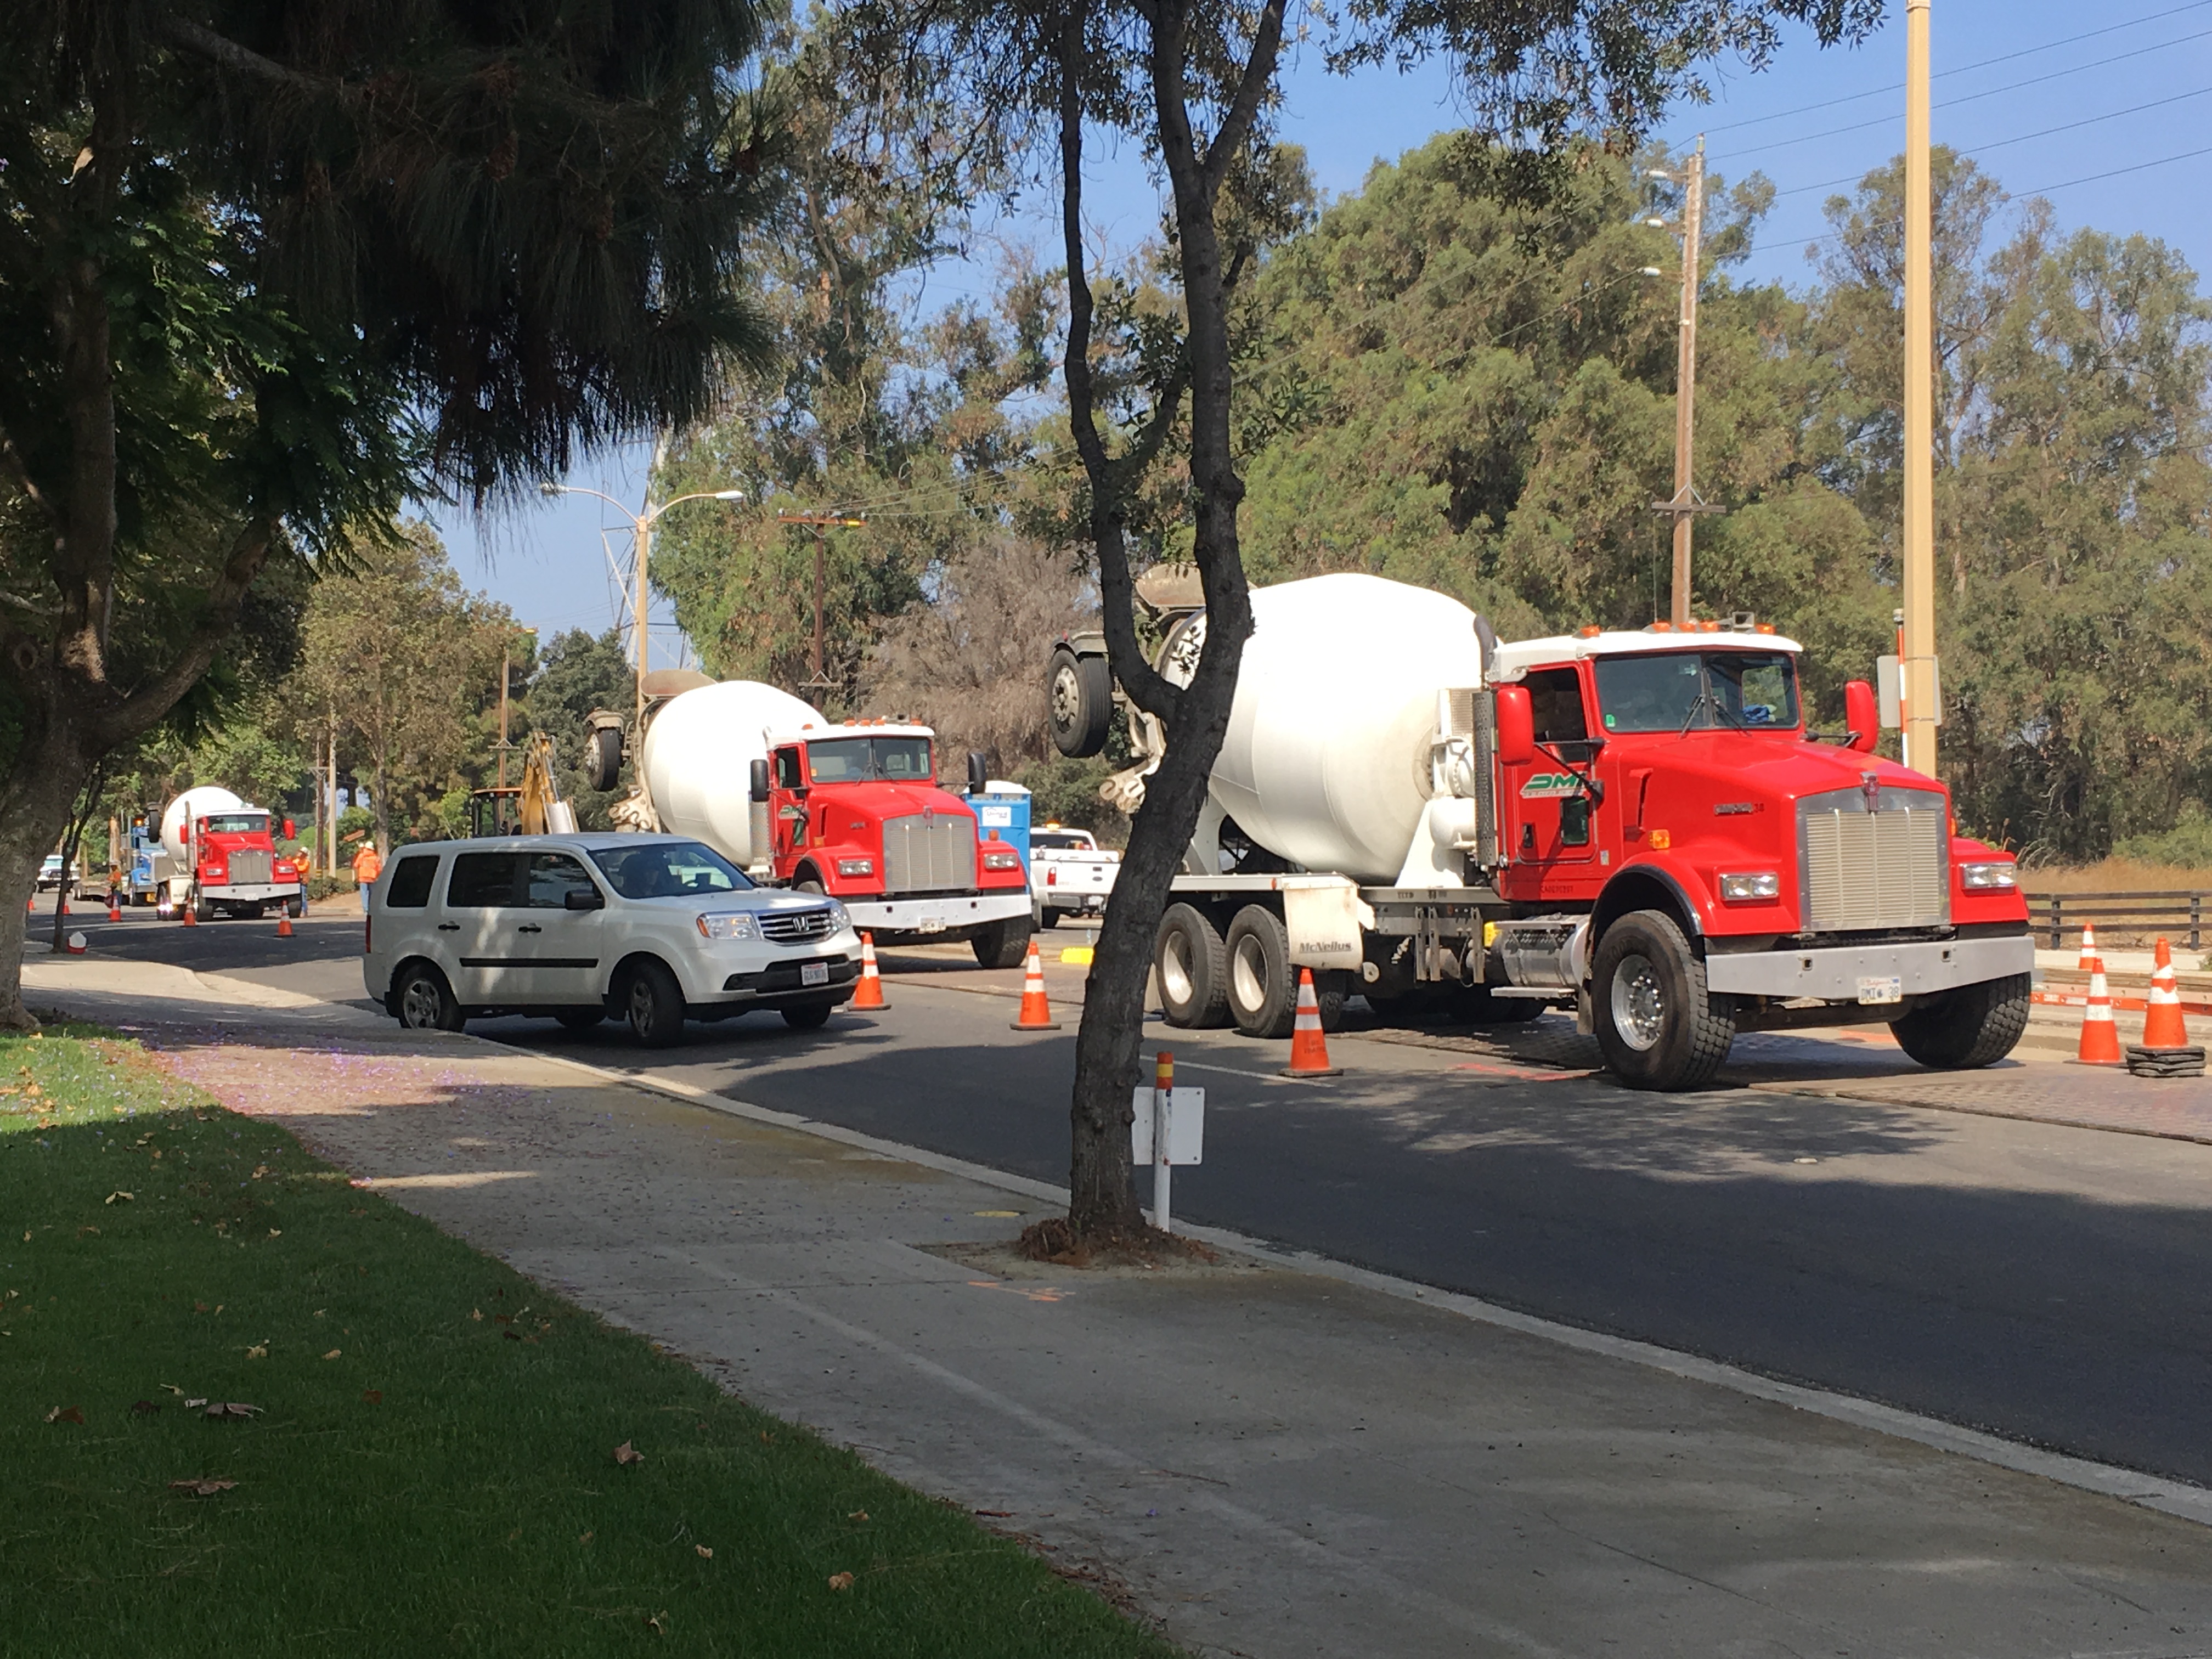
37	801
1101	1199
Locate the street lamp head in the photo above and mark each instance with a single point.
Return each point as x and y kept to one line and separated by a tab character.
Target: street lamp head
549	487
729	494
1656	224
1651	271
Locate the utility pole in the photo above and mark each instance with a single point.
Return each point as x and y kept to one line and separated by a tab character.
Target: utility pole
506	674
1921	711
330	818
820	522
1684	506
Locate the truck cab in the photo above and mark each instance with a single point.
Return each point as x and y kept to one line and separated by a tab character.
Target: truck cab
854	811
1674	840
233	867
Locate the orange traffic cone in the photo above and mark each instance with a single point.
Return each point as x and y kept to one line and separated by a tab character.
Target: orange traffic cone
1309	1047
2088	949
869	993
114	909
2162	1026
1036	1011
188	908
284	922
2100	1038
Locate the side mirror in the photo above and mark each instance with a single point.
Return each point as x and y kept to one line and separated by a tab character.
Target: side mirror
979	772
1517	726
760	781
1863	715
579	898
291	831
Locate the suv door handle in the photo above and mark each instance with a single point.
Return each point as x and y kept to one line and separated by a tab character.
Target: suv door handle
530	927
449	926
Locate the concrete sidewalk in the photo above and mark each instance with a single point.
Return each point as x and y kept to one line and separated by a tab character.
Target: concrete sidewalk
1275	1458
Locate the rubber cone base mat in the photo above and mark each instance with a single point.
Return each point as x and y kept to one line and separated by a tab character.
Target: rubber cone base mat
1321	1071
1018	1026
2165	1062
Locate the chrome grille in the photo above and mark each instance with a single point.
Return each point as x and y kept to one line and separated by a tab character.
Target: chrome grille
929	853
1887	868
249	869
797	926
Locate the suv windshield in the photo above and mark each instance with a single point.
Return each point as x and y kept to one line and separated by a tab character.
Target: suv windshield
1689	690
236	823
867	760
668	870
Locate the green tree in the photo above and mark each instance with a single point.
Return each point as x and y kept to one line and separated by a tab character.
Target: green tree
576	674
268	268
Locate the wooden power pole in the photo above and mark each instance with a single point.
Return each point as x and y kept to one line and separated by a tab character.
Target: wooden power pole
1685	504
820	522
1922	711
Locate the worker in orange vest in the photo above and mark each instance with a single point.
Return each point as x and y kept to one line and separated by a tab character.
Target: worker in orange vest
368	865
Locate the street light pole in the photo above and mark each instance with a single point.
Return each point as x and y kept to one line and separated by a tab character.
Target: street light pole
1920	714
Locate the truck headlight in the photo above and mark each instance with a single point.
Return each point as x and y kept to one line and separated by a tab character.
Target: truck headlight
856	866
1984	878
728	924
1751	884
1002	859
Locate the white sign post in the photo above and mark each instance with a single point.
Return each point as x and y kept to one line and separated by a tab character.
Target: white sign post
1167	1127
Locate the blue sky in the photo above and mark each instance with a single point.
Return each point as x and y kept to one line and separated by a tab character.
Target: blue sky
2137	89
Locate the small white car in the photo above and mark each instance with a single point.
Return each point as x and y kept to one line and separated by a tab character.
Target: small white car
650	929
50	874
1070	873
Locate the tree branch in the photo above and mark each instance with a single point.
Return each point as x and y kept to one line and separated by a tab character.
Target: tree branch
1149	689
138	711
17	472
225	53
1244	107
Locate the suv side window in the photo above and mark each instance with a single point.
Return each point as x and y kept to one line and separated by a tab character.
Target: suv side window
1555	697
482	881
552	878
408	886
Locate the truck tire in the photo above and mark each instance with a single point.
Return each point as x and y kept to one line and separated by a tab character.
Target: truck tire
1965	1029
1191	965
1079	691
295	908
422	1001
603	758
1048	919
1261	989
203	910
1657	1025
1001	944
652	1002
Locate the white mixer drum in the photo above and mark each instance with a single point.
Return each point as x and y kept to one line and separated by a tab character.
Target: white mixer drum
1325	763
203	802
699	751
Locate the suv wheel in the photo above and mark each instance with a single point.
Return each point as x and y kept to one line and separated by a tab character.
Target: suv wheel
422	1001
652	1002
1657	1025
807	1015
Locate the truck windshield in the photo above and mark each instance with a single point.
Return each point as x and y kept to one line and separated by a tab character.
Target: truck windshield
1678	691
870	760
669	870
236	823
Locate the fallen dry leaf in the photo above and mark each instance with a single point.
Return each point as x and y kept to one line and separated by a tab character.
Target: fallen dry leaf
202	1488
144	1408
200	1307
705	1555
173	1389
276	1232
476	1314
372	1396
658	1624
333	1353
627	1453
858	1515
194	1405
66	1415
113	1197
225	1409
585	1538
259	1350
840	1581
996	1514
511	1335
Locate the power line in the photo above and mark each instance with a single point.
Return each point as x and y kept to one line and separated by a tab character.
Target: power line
2092	178
1963	68
1970	98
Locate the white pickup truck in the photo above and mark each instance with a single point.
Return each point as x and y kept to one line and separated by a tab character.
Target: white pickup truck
1070	873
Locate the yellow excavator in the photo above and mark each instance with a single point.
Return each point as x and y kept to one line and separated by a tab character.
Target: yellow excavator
533	807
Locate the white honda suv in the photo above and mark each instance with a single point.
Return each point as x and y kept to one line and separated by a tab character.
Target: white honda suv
652	929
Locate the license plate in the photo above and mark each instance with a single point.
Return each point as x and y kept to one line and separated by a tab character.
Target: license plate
813	973
1882	989
933	925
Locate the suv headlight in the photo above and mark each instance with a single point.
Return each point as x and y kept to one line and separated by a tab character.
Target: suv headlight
1982	878
1002	859
839	916
728	924
856	866
1751	884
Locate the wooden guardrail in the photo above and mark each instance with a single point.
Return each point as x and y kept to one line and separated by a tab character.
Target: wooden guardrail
2052	914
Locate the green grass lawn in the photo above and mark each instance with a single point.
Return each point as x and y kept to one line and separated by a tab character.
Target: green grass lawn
431	1465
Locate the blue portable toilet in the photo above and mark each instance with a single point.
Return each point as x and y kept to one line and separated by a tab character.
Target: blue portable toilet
1004	807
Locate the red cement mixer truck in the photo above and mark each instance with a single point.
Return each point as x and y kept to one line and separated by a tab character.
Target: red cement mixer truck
850	808
1638	824
222	858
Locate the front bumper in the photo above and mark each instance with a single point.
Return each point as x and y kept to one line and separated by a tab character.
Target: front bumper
788	976
938	914
260	893
1832	973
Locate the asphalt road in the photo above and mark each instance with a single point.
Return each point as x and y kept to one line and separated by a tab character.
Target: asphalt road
2050	1283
